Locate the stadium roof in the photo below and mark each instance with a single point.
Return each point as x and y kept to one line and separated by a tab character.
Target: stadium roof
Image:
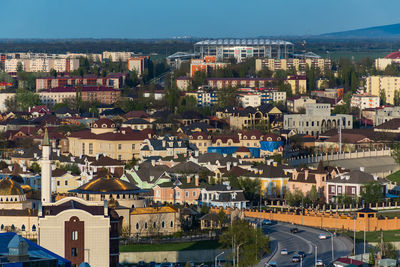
243	42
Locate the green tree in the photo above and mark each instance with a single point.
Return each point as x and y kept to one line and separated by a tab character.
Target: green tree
131	163
22	100
382	97
251	243
173	98
396	98
35	167
223	219
396	153
199	79
340	109
313	194
227	96
372	192
20	67
53	73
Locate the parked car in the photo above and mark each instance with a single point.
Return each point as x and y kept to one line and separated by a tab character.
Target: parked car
322	236
319	263
284	251
266	222
296	258
294	230
271	264
302	254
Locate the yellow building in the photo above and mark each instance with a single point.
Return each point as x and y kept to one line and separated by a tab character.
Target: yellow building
273	179
388	84
298	84
251	117
293	63
104	138
64	181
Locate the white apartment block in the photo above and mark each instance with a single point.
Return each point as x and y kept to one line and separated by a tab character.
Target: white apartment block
117	56
388	84
318	119
363	101
55	97
41	64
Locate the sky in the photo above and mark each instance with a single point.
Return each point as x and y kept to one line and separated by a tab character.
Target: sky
201	18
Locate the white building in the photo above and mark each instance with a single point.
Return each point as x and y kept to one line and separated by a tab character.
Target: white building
316	120
249	100
117	56
363	101
55	96
298	103
385	114
41	64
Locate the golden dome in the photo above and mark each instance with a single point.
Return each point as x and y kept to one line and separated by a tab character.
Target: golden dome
10	187
108	184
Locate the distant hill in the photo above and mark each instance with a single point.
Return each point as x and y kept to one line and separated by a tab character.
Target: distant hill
385	31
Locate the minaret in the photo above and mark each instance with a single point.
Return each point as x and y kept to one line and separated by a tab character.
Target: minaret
46	169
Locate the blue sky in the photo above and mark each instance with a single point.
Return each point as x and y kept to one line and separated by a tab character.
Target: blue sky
204	18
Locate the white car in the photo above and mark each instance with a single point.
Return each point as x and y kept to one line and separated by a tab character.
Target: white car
284	251
319	263
323	236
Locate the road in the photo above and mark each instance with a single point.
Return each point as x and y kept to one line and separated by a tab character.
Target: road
281	237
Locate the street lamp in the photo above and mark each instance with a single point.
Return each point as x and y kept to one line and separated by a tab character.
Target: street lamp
316	252
216	258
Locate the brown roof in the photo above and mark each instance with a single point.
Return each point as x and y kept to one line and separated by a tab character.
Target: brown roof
393	124
103	121
58	172
350	138
106	161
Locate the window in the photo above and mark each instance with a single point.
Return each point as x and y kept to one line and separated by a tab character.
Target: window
137	226
145	225
332	189
119	146
339	190
178	194
162	224
186	194
74	235
154	225
74	252
23	227
133	146
83	148
172	224
66	182
353	190
158	193
90	148
58	183
194	193
119	157
34	228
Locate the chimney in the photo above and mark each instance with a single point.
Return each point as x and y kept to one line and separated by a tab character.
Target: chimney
306	174
97	156
235	163
362	169
24	168
188	179
164	143
58	152
228	166
153	162
196	181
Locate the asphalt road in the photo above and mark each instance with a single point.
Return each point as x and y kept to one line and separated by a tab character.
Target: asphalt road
281	237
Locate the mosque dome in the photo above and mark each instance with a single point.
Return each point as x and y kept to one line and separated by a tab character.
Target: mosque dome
9	187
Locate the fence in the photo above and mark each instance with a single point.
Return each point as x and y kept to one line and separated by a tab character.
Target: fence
295	161
325	220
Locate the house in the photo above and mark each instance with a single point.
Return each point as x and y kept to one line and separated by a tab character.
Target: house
147	175
210	221
222	195
351	184
154	221
137	124
184	190
167	146
251	117
298	103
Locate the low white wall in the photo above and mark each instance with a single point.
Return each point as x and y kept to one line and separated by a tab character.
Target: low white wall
174	256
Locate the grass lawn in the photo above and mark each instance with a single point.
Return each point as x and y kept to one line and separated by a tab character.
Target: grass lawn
197	245
388	236
395	177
